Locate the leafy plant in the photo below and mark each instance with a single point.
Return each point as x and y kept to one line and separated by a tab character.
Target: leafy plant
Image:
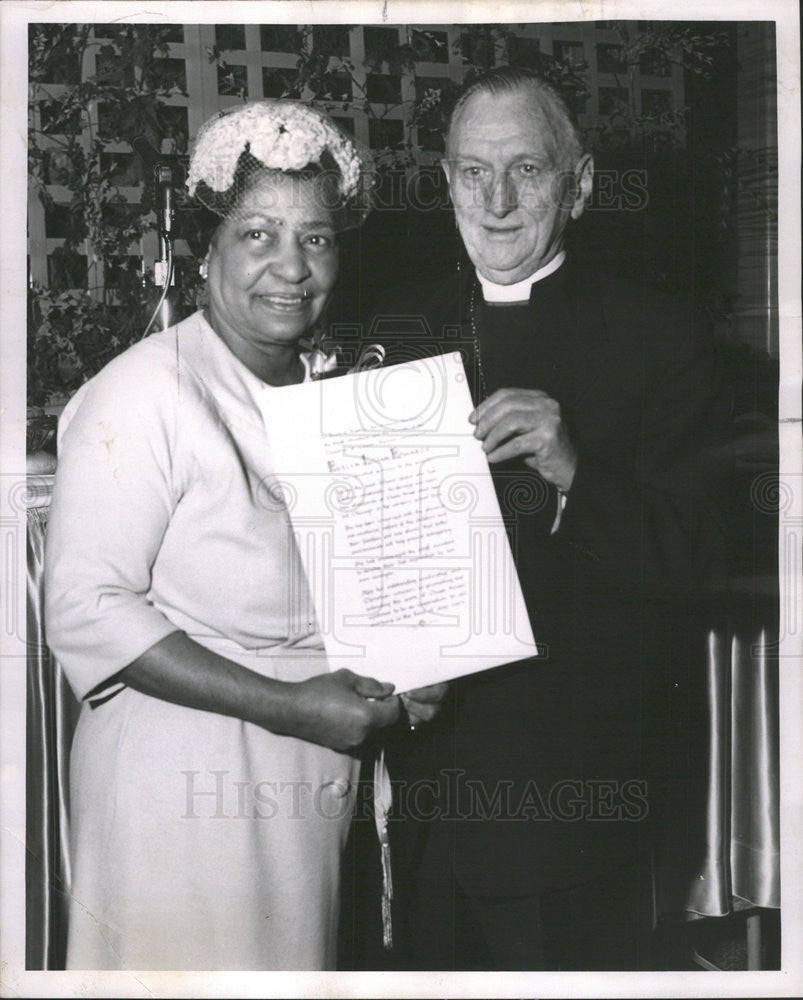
98	301
653	49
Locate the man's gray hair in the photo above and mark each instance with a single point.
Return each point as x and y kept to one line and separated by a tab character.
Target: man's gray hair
552	104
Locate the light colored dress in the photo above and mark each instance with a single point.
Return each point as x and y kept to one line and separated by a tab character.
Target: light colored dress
198	841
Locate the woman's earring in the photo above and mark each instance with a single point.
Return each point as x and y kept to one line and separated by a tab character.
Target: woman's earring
203	270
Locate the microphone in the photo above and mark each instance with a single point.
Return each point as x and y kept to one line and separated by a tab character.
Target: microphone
164	187
148	154
163	176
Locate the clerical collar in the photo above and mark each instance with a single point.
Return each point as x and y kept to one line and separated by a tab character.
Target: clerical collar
520	292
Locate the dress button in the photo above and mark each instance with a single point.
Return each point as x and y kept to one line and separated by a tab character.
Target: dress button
339	788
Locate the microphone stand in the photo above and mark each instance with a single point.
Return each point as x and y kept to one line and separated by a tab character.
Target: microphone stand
163	269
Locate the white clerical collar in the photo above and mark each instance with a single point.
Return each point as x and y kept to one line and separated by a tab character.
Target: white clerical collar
520	292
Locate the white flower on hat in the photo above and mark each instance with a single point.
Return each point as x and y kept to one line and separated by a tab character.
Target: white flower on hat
283	135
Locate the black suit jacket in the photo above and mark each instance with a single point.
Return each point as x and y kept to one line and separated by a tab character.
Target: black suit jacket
544	773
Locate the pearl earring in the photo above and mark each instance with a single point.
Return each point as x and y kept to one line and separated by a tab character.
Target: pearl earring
203	270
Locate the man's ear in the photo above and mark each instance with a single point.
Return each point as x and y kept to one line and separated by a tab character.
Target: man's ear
447	172
584	182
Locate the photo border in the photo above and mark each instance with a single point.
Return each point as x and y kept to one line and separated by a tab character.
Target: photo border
14	979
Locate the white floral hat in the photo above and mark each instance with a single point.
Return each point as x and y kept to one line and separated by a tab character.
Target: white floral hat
280	135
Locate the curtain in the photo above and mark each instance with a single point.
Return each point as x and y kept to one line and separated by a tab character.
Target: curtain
52	712
719	850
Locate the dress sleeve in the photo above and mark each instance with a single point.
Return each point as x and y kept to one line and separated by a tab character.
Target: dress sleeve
113	499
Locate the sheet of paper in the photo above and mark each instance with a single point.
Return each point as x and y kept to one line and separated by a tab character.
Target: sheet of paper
397	523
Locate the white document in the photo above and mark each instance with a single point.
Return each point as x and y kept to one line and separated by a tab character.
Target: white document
397	523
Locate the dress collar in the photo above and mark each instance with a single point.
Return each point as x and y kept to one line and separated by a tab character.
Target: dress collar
520	291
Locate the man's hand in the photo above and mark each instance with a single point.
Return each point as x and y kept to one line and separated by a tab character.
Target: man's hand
423	704
527	424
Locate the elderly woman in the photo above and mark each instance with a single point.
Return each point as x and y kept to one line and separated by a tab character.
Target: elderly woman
212	781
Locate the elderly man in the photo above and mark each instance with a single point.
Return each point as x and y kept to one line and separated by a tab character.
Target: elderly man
528	819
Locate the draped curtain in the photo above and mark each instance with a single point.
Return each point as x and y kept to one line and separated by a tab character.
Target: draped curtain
51	716
719	850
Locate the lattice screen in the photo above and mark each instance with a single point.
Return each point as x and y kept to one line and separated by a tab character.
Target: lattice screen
221	65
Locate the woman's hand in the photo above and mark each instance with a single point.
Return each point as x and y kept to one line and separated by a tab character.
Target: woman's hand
332	710
339	710
423	704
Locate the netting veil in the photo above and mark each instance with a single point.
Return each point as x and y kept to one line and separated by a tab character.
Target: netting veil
236	147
